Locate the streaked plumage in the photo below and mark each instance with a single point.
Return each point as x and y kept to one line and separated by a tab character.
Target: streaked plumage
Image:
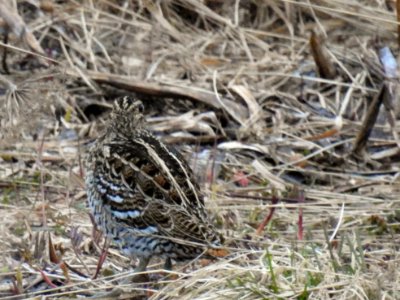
142	193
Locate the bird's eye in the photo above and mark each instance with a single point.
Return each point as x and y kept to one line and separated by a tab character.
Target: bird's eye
140	108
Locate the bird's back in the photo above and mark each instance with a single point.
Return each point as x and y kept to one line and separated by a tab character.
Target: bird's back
143	192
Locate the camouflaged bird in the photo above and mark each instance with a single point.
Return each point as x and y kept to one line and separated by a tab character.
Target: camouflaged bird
143	195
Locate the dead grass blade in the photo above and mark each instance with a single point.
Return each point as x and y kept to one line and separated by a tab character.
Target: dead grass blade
325	67
369	122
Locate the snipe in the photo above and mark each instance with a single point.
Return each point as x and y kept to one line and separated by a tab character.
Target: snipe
143	195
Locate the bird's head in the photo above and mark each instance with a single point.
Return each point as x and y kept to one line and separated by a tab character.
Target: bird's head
127	115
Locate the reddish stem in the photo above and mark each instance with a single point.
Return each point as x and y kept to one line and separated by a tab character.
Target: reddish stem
300	223
47	279
102	258
268	218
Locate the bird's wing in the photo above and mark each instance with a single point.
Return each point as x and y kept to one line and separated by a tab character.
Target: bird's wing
174	223
148	187
146	165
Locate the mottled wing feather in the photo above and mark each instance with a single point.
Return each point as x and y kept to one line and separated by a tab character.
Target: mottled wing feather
176	171
152	189
176	222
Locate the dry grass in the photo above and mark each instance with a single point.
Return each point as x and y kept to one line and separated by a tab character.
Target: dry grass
236	83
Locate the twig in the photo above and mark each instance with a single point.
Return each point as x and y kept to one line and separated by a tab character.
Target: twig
369	121
155	89
19	28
